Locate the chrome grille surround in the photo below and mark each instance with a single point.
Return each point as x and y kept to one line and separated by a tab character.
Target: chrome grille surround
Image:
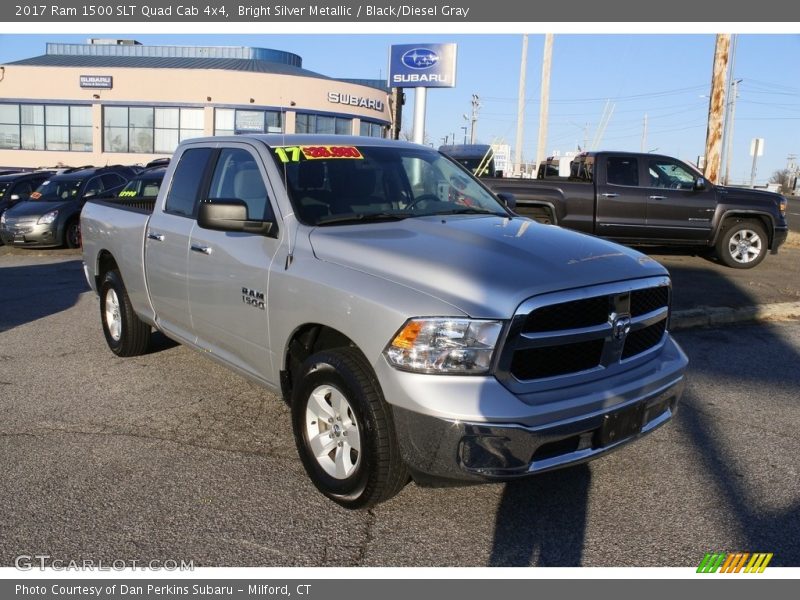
519	343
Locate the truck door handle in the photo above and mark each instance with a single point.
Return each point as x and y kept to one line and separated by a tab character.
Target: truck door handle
609	195
201	249
658	197
152	235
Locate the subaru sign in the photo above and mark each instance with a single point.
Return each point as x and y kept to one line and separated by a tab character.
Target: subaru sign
103	82
422	65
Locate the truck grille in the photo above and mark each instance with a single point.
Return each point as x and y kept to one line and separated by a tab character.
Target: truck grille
535	363
568	334
643	339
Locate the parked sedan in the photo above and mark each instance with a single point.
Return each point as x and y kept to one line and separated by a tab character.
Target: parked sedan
51	217
16	187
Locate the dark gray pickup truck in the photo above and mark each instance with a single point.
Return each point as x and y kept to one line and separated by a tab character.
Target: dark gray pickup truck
647	199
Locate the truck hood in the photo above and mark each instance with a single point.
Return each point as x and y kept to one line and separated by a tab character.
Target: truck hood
483	265
759	197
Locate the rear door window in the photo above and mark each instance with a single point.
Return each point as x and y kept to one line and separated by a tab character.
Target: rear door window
112	180
186	182
94	187
622	170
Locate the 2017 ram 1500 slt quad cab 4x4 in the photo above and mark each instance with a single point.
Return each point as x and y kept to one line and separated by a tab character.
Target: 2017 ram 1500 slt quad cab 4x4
416	326
648	199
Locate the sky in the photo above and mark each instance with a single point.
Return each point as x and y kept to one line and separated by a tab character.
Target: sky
666	77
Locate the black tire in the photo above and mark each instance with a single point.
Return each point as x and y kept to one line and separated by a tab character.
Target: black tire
742	244
129	336
379	471
72	233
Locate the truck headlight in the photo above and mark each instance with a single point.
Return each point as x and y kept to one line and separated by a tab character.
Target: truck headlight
444	346
782	206
47	218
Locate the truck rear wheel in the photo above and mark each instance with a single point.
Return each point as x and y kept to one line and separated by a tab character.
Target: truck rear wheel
742	244
344	430
126	334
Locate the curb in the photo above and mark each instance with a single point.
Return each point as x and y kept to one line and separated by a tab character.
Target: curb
707	316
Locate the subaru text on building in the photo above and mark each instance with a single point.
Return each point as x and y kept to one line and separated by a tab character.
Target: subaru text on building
415	325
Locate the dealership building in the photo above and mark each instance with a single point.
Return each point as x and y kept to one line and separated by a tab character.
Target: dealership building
121	102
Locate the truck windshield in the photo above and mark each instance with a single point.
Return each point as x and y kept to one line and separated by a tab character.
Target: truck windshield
348	184
54	190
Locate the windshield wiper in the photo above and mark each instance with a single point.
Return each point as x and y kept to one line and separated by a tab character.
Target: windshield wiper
466	210
363	218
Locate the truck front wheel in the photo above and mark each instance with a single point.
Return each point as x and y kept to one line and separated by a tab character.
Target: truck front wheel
126	334
742	244
344	430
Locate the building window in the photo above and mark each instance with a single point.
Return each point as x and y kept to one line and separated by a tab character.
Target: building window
306	123
45	127
229	121
371	129
80	128
9	126
149	130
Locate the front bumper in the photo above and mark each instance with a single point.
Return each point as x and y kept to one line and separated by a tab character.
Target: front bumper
584	422
781	233
30	234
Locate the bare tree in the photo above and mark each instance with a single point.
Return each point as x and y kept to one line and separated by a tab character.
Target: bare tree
785	178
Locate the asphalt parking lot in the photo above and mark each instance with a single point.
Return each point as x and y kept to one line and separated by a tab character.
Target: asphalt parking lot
169	456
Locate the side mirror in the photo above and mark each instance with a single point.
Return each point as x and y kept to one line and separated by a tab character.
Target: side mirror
508	199
230	215
700	184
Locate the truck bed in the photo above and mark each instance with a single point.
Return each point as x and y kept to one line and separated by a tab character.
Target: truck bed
565	202
115	226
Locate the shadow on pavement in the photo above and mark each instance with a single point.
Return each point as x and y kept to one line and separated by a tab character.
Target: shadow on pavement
31	292
541	520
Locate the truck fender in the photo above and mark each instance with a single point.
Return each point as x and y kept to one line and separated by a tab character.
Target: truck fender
742	214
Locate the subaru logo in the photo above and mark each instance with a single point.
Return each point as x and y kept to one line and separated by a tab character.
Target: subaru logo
420	58
620	326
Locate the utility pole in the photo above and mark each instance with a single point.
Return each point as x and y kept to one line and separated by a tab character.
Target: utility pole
644	133
730	120
464	127
476	104
757	149
544	100
727	123
523	69
716	106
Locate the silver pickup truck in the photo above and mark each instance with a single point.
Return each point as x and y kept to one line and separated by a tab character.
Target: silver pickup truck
415	324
